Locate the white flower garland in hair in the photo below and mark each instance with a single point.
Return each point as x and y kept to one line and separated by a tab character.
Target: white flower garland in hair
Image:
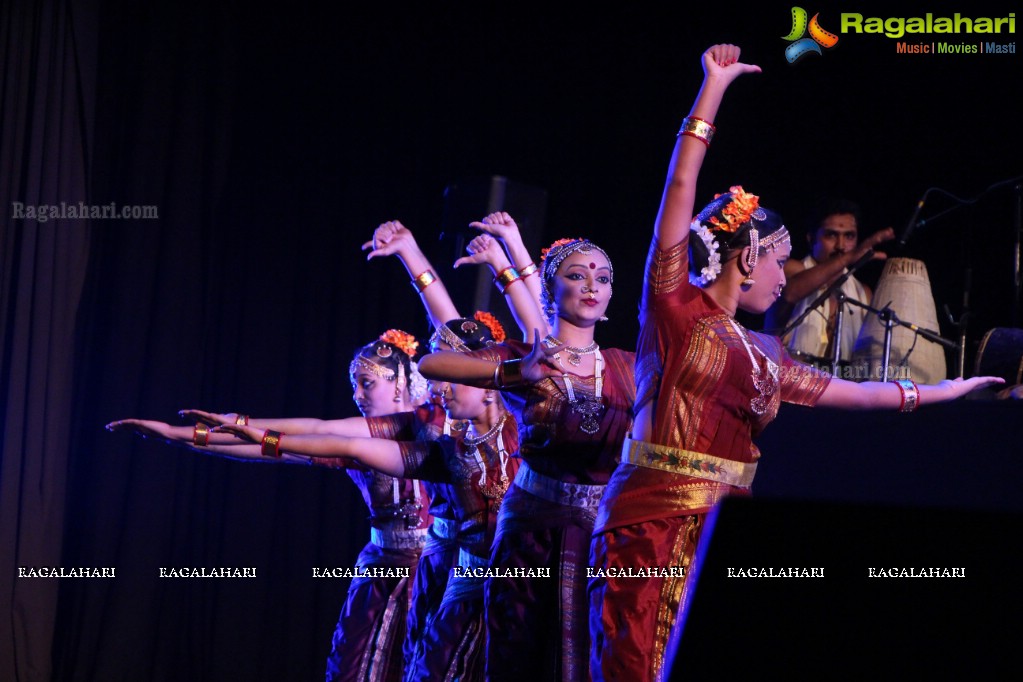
713	268
417	385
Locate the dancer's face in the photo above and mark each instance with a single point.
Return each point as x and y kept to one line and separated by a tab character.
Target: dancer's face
464	402
458	400
582	287
769	280
374	395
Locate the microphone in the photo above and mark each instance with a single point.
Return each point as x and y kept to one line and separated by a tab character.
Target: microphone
932	336
912	222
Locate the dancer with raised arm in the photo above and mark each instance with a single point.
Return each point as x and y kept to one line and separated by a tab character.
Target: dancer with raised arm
706	386
573	401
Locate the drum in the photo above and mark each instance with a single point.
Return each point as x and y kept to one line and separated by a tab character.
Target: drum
904	287
1001	355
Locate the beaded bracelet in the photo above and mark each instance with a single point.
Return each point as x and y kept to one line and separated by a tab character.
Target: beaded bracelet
423	280
271	444
910	395
702	130
201	434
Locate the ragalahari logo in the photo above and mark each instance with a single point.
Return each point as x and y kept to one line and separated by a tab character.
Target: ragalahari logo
802	46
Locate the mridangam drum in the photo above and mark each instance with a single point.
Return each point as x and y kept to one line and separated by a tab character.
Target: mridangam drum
1001	355
904	287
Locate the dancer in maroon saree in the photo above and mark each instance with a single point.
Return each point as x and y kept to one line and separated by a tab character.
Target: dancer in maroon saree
573	401
470	471
706	387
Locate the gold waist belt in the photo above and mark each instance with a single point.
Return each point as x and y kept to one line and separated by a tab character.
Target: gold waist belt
688	463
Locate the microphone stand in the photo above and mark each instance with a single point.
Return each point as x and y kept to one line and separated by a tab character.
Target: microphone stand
889	319
961	324
825	295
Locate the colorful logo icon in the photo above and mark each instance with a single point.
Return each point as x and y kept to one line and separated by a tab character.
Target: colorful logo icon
802	46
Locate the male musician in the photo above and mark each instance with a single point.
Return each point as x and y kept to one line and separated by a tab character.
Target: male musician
833	238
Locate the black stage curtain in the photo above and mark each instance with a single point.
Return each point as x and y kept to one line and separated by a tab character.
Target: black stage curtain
224	302
46	98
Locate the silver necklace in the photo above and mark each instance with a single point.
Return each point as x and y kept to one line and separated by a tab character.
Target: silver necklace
575	355
766	383
591	410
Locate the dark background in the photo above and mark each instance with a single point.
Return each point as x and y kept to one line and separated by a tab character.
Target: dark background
274	141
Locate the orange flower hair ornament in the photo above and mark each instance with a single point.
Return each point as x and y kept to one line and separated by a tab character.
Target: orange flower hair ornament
491	323
403	341
554	247
738	211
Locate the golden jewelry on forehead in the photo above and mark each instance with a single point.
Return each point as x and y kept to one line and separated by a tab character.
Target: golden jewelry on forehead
778	238
368	365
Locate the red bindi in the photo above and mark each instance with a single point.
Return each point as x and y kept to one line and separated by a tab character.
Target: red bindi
593	266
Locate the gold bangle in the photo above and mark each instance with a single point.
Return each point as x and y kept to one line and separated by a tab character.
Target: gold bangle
271	444
528	270
423	280
505	278
242	420
698	128
509	374
201	434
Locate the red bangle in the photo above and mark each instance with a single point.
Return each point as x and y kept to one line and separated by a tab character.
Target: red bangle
271	444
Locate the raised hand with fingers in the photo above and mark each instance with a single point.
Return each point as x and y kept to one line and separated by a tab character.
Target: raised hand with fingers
394	239
722	61
499	224
390	238
484	250
540	362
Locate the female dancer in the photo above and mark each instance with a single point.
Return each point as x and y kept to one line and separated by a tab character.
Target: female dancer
367	643
706	386
471	472
573	401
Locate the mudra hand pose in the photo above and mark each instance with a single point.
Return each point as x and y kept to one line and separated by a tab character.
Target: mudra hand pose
573	402
706	386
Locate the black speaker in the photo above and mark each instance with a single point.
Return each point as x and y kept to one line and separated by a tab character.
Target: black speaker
469	200
849	591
